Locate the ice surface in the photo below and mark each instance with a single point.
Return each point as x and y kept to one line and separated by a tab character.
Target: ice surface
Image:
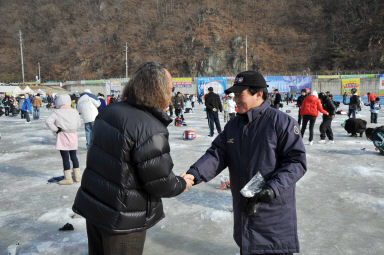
340	200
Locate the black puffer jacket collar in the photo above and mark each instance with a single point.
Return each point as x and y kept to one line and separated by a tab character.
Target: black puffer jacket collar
158	113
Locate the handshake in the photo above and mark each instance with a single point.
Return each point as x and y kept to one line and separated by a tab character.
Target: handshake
189	179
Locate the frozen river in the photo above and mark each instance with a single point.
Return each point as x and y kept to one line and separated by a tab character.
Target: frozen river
340	200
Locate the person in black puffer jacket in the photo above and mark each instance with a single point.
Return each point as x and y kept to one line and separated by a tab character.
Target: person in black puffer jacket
299	102
129	167
325	126
277	100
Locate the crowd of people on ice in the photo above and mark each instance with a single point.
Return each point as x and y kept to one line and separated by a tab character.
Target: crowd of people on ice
129	167
309	105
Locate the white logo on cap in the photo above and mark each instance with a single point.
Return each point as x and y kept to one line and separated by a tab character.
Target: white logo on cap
239	80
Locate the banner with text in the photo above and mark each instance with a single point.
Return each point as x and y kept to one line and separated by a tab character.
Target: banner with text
288	84
348	84
358	76
219	84
336	76
381	85
113	87
182	82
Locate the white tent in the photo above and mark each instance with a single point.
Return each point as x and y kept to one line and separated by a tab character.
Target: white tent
41	92
28	90
12	90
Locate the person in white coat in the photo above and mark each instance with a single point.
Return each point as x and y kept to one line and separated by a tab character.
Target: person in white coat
87	107
231	105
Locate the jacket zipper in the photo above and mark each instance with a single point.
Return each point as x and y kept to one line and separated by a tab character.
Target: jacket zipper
148	205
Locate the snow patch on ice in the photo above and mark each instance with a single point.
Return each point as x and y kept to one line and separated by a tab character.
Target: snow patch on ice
177	145
44	246
216	216
6	215
367	172
364	200
60	216
12	156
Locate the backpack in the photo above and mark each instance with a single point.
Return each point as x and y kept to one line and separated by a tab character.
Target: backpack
178	122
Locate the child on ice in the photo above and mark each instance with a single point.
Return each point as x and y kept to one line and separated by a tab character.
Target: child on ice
65	121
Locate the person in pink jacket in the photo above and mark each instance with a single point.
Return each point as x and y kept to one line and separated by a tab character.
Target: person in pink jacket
309	110
65	121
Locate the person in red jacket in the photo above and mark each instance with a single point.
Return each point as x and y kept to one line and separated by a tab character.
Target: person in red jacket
371	99
310	108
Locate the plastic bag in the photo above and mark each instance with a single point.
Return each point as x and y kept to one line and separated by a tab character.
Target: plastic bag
253	186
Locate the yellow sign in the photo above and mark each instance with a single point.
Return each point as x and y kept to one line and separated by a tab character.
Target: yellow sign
348	84
182	82
328	76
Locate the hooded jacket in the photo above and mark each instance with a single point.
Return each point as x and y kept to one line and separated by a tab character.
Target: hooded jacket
68	120
26	106
36	102
311	106
129	169
87	107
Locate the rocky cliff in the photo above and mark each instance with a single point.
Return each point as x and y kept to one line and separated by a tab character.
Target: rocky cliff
86	39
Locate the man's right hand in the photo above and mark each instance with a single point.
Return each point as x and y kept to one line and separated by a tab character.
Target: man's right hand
188	176
189	180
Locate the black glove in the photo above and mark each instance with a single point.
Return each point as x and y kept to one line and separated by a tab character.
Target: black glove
266	195
59	130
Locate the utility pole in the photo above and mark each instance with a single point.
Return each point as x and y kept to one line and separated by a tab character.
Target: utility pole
246	53
21	53
38	63
126	60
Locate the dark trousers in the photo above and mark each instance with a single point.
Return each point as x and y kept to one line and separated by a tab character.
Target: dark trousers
299	118
26	116
213	119
65	155
171	111
372	104
326	129
22	114
178	113
352	112
6	109
102	243
312	120
373	117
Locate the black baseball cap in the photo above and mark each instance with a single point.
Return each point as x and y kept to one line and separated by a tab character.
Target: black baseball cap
246	80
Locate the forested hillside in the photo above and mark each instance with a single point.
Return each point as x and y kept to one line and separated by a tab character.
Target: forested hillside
86	39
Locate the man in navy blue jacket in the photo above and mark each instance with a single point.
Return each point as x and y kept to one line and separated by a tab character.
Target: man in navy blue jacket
259	139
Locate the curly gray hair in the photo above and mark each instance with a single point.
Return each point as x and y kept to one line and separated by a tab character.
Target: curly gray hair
149	86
